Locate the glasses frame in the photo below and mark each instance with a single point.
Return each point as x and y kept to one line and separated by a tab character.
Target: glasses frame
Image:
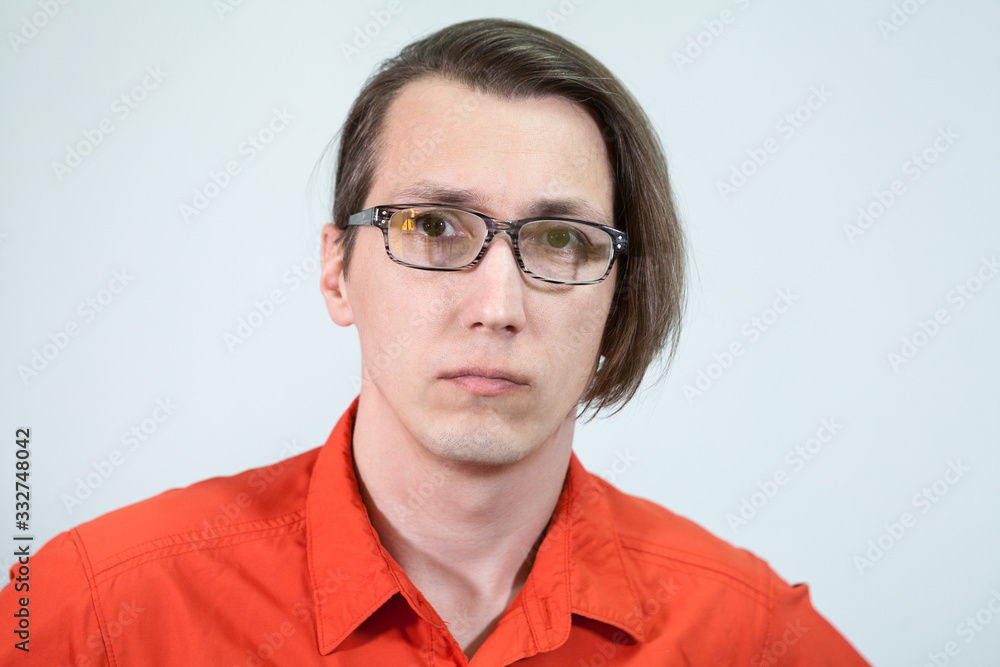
379	216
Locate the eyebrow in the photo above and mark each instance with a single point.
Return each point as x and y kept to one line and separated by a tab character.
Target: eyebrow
570	207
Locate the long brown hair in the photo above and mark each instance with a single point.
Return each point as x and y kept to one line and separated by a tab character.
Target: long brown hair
514	60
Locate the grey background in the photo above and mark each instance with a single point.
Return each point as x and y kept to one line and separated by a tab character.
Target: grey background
62	237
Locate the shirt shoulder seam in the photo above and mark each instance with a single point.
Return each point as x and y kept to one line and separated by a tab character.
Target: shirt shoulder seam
760	589
769	624
184	542
95	596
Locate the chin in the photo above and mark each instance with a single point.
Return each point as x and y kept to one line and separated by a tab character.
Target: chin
477	446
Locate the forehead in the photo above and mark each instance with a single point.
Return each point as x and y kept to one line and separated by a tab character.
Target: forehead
505	157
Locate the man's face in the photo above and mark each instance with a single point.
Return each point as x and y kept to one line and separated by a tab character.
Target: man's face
481	365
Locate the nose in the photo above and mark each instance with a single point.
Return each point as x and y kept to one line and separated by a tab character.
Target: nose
494	298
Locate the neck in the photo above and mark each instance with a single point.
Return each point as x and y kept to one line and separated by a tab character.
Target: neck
464	533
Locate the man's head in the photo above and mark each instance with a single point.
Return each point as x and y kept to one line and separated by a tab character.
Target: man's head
514	122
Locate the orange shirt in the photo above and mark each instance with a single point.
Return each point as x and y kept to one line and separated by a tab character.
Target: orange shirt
281	566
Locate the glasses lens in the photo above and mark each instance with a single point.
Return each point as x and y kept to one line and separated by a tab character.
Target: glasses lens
566	251
443	238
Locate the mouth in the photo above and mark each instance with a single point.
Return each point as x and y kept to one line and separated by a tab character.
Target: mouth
486	381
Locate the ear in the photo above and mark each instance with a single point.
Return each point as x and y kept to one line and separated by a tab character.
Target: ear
331	281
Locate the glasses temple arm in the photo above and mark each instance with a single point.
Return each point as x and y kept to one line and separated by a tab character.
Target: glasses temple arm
365	217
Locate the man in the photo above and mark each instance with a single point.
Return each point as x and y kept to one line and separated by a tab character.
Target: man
505	243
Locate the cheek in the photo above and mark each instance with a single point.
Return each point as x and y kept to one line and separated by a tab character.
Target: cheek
390	339
401	317
378	301
377	286
573	335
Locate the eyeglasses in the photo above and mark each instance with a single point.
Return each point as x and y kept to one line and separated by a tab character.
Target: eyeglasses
436	237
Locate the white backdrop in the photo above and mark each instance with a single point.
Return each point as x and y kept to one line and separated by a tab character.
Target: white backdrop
833	164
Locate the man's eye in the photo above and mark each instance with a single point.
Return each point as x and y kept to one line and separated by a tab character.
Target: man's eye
432	225
563	237
558	238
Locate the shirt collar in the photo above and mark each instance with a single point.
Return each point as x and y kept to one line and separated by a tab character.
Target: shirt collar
578	569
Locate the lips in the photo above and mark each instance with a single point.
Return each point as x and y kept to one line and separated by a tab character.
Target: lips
486	381
488	373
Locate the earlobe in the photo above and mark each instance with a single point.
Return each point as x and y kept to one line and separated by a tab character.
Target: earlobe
332	284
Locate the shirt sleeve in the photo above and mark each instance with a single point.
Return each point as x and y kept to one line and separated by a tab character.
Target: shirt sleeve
798	635
63	626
